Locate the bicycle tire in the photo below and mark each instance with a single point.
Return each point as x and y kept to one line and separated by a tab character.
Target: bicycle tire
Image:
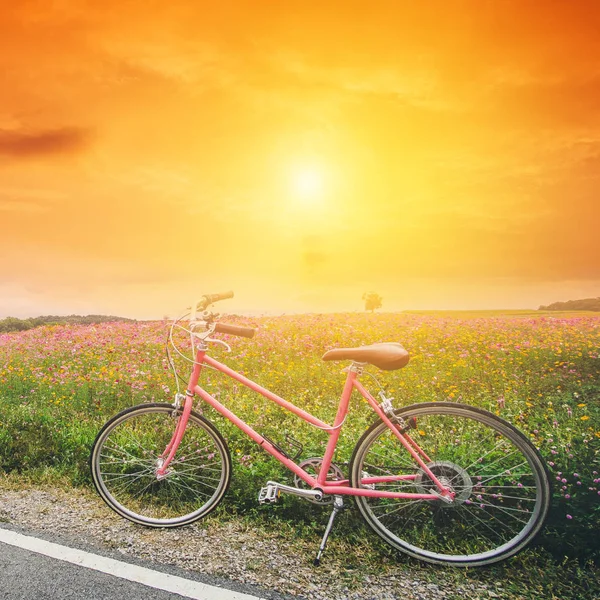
499	478
124	459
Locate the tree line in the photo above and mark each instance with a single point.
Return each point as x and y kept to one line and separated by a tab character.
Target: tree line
585	304
10	324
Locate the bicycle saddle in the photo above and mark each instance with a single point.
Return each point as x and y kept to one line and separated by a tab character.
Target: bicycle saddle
388	356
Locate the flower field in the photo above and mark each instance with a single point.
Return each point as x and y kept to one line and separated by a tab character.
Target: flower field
59	384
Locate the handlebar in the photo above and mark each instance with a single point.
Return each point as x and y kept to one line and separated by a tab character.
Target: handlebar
208	299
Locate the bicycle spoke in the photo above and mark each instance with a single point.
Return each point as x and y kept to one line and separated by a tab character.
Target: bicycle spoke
503	497
481	483
403	506
184	486
503	509
480	521
203	479
122	486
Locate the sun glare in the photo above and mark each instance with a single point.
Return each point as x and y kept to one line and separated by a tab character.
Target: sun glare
307	183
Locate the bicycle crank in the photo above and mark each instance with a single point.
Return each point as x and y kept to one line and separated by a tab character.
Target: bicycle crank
270	494
313	467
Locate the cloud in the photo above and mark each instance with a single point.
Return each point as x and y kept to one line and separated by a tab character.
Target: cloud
28	201
22	144
20	206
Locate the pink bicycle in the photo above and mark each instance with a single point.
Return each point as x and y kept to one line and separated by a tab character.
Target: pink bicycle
440	481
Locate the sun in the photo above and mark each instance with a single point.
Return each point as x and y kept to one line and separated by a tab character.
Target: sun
307	183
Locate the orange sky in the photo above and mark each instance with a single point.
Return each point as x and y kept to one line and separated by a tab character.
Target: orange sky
151	152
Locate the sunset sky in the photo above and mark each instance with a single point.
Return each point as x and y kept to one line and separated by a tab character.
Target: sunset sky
445	154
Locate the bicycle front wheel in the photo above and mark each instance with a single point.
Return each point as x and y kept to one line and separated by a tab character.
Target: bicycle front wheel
127	453
501	487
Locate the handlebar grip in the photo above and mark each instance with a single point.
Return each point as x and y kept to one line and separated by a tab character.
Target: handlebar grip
246	332
210	298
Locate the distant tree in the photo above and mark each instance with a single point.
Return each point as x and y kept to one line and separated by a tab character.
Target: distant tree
10	324
585	304
13	324
373	301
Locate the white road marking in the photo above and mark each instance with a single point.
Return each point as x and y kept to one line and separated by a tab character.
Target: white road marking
162	581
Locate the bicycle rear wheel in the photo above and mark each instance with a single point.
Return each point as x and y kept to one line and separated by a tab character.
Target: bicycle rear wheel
126	455
500	481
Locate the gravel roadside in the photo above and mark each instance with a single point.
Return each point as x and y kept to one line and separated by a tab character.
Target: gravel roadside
224	549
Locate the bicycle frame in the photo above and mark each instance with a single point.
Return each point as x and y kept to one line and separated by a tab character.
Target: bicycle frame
320	482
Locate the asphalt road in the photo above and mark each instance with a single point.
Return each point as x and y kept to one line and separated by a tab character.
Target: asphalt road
27	574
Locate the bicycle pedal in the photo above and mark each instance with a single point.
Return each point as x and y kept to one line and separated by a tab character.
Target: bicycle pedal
269	494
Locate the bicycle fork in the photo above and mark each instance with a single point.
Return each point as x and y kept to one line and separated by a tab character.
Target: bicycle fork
166	457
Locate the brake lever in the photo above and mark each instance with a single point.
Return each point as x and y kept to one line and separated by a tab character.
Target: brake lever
215	341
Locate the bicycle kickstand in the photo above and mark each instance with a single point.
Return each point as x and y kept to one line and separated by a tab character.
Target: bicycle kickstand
338	505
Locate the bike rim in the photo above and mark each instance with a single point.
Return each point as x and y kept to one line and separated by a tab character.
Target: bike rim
499	482
127	456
